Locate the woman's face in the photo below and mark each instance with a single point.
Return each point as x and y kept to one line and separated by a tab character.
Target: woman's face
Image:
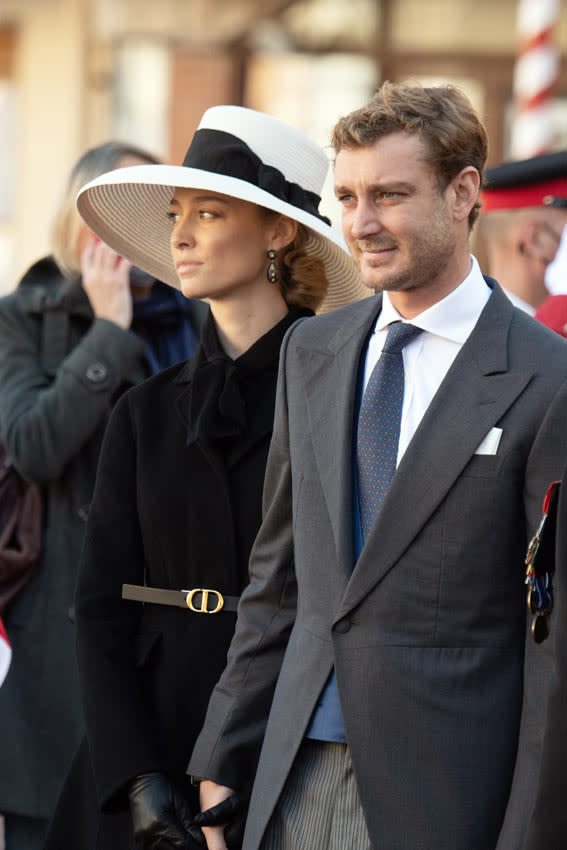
218	244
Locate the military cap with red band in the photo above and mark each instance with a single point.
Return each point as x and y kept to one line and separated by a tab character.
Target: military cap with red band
538	181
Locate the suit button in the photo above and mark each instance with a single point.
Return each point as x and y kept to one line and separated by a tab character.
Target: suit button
342	627
96	373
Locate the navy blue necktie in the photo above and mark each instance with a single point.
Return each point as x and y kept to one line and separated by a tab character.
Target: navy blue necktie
379	420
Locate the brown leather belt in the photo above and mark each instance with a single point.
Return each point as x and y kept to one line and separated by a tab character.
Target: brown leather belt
200	600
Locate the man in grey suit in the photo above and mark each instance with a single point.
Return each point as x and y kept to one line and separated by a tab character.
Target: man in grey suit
375	683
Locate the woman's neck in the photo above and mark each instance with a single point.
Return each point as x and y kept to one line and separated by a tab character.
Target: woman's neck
240	323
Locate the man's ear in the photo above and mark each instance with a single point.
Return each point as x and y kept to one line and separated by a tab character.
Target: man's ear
283	232
465	188
535	242
544	243
522	235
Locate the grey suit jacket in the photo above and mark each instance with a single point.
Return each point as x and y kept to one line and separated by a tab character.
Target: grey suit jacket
427	632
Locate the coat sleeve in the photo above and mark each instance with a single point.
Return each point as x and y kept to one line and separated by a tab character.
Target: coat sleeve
121	735
228	747
46	421
545	464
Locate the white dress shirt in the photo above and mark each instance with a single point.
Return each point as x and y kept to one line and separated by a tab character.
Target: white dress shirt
427	358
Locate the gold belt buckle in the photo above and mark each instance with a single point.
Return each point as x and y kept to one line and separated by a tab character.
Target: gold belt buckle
204	609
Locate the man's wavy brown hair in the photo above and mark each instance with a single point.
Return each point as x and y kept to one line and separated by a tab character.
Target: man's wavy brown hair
442	116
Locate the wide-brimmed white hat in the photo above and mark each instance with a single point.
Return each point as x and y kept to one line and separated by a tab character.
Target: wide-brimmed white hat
237	152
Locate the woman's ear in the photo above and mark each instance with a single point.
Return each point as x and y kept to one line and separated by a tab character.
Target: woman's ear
283	232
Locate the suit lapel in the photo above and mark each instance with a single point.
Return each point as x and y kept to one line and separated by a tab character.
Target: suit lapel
330	384
475	394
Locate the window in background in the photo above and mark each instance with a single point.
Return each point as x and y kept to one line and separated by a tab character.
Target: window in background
313	63
141	94
310	91
337	25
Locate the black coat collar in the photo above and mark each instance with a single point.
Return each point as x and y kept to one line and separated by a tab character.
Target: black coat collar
228	405
44	287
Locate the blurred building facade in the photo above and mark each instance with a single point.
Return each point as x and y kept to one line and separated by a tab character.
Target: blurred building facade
74	73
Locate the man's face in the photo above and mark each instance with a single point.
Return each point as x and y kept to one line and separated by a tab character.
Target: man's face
396	221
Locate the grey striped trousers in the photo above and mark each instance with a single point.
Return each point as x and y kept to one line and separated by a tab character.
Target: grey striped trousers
319	808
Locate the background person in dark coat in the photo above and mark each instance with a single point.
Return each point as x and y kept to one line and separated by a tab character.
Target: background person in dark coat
178	496
68	347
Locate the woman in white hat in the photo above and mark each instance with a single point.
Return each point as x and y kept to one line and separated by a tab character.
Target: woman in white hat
178	496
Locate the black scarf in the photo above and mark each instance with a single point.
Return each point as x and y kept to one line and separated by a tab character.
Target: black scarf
222	390
163	321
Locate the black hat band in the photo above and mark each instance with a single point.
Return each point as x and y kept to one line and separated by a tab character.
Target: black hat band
225	154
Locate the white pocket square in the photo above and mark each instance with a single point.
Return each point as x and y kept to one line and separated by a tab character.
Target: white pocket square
489	445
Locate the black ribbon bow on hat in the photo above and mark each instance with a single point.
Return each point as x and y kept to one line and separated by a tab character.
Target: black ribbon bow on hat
223	153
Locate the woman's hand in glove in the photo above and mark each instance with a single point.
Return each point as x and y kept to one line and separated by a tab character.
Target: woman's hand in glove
161	816
231	814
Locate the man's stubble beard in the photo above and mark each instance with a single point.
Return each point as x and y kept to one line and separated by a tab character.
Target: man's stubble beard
428	257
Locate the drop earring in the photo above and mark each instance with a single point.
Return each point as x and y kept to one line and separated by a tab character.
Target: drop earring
272	270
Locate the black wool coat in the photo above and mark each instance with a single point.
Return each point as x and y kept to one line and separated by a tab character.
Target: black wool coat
177	505
61	371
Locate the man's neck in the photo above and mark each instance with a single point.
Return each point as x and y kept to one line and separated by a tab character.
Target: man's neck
411	302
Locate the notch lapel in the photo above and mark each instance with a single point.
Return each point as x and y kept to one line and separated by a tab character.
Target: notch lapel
473	397
331	375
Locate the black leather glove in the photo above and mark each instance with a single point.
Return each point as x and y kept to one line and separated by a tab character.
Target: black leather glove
161	816
233	812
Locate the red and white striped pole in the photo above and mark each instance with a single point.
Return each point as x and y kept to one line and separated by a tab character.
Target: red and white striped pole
5	652
535	77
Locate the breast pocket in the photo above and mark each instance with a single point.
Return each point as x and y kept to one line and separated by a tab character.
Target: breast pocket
508	464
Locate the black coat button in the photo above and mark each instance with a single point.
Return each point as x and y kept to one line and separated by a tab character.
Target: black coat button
83	512
96	373
342	627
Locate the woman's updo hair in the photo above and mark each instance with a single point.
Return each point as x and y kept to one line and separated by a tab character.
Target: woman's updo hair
301	276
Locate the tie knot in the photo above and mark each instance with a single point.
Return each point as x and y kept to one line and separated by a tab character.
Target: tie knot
399	335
